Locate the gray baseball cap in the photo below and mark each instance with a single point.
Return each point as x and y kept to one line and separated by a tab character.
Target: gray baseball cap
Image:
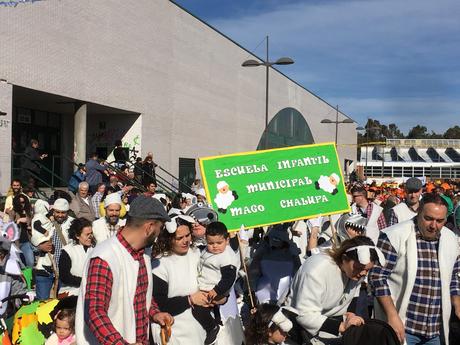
145	207
414	184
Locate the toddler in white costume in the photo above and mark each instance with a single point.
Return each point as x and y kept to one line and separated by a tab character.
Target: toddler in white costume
216	275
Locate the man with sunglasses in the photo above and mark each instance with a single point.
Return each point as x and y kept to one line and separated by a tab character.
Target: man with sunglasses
408	209
370	210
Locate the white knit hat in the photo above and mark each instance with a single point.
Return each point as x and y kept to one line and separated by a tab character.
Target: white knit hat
61	205
113	198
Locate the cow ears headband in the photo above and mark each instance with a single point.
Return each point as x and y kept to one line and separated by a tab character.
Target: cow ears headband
364	254
281	320
171	226
9	231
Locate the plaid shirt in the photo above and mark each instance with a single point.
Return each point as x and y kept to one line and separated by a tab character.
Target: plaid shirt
455	282
423	316
381	223
95	201
393	218
99	293
57	243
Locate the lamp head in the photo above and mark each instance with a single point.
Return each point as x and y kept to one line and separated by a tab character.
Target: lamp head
251	63
284	61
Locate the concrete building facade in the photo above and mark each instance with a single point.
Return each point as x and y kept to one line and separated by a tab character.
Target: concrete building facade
147	72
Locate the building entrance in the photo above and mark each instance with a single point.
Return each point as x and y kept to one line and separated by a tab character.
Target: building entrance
36	124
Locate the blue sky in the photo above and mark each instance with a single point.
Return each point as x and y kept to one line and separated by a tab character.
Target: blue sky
397	61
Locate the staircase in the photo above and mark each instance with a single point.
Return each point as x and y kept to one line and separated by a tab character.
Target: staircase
49	180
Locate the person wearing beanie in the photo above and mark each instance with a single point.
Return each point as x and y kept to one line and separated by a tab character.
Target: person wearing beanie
107	226
408	209
50	235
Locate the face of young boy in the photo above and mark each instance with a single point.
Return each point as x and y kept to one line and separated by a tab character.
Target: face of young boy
216	244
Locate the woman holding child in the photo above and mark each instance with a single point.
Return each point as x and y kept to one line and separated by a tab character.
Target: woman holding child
188	283
175	283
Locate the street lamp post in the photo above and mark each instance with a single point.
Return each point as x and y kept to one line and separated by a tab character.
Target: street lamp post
360	145
337	122
384	145
267	64
368	129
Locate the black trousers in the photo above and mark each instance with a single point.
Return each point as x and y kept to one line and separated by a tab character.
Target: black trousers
205	318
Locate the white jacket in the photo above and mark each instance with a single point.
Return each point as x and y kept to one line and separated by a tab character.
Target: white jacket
372	228
403	212
402	279
78	257
38	238
121	309
320	290
101	230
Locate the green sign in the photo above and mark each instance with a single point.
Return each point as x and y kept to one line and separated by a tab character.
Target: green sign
274	186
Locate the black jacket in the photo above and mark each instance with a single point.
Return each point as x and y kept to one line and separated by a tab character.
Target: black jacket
31	160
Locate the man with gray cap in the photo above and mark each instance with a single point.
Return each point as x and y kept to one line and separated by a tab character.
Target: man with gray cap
50	237
115	302
108	226
408	209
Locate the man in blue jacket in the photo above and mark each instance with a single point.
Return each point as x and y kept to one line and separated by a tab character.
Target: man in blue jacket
78	176
94	171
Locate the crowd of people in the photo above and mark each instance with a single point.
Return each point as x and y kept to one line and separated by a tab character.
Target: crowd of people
148	267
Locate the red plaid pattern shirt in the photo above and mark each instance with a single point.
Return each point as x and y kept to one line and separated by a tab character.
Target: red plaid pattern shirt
381	222
99	293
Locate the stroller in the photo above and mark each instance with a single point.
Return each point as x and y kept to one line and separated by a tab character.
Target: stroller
32	323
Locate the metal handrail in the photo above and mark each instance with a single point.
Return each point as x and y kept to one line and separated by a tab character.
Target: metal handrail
44	168
162	183
132	181
174	177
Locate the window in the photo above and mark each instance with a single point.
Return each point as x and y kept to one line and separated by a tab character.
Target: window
287	128
397	171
